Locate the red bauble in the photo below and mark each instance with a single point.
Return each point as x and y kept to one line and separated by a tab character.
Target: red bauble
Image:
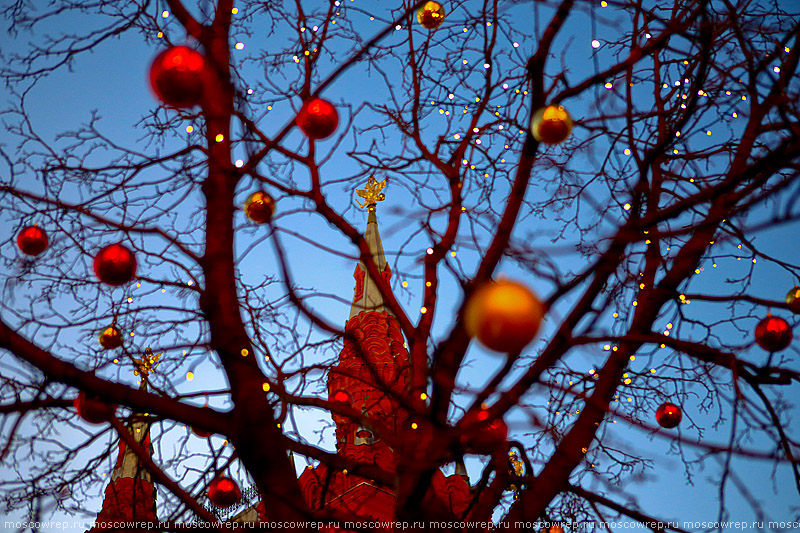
115	265
668	415
176	76
93	409
503	315
481	435
793	299
110	338
32	240
551	124
223	492
430	15
317	118
259	207
773	333
342	396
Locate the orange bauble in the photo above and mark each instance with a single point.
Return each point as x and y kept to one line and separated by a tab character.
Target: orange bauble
110	338
481	435
259	207
223	492
176	76
503	315
793	299
93	409
773	333
317	118
431	15
32	240
668	415
115	264
551	124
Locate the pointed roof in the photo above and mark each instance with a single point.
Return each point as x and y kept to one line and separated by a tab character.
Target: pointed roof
367	296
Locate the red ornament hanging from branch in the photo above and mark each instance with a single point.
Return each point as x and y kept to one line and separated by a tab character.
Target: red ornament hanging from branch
503	315
430	15
223	491
481	435
773	333
551	124
317	118
93	409
115	265
668	415
259	207
110	338
32	240
176	76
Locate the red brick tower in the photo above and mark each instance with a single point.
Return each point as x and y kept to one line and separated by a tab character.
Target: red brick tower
131	494
372	372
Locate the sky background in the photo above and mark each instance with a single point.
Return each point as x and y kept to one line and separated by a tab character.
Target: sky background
112	80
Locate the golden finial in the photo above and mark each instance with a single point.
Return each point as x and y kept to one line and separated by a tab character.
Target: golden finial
146	364
372	193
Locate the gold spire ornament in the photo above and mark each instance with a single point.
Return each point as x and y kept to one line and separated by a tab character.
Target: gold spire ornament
147	364
371	193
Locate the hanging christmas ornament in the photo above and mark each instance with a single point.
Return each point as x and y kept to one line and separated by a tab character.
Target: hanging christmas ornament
259	207
342	396
773	333
110	338
551	124
793	299
317	118
482	435
223	491
93	409
503	315
32	240
115	264
430	15
176	76
668	415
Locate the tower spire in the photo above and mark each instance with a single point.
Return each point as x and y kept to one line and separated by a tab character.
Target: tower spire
131	493
367	296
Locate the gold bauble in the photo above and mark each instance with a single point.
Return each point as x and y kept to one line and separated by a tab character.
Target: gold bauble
551	124
430	15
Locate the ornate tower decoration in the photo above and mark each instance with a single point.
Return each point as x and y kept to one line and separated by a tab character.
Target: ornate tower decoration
131	494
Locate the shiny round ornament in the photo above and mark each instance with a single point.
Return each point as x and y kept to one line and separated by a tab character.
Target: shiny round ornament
430	15
92	409
259	207
342	396
503	315
482	435
115	265
32	240
110	338
551	124
223	492
793	299
773	333
668	415
176	76
317	118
